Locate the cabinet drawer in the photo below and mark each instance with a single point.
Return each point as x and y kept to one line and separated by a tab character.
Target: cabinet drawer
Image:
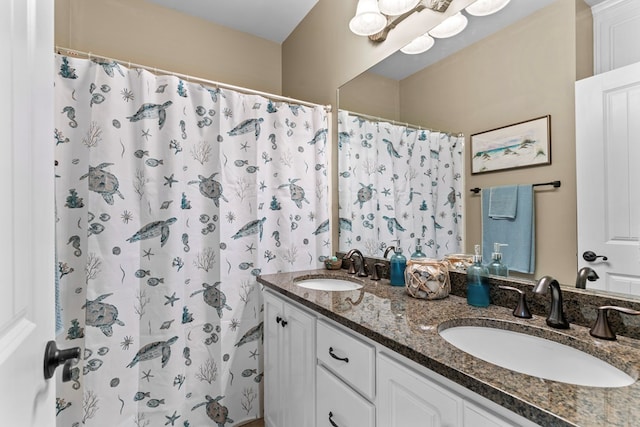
347	357
338	405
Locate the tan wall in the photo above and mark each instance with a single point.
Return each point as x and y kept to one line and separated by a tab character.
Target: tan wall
142	32
373	95
525	71
322	54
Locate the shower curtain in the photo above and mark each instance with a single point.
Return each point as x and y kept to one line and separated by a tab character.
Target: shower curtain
398	183
171	197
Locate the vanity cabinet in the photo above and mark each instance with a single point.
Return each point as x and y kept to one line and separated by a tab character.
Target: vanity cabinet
289	364
320	373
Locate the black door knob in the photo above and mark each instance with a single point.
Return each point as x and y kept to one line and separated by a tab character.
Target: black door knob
54	357
591	256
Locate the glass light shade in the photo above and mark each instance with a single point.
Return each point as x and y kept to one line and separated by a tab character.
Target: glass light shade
368	19
396	7
486	7
449	27
419	45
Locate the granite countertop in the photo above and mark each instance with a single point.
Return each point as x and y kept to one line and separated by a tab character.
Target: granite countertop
410	326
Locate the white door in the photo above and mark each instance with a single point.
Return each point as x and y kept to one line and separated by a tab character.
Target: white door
26	211
608	177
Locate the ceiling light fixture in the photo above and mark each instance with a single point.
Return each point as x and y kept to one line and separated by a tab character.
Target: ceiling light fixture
368	19
375	18
419	45
449	27
486	7
396	7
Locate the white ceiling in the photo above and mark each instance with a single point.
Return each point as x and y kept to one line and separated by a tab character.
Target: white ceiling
269	19
275	19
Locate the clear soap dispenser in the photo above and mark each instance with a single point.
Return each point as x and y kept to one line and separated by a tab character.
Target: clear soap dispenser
497	267
477	282
397	265
418	253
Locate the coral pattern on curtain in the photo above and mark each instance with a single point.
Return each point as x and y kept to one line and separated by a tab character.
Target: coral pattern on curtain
171	198
398	183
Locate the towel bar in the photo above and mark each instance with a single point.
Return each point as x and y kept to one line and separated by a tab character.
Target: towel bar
555	184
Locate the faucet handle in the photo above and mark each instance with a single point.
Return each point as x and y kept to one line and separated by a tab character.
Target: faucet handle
352	264
522	309
601	328
375	275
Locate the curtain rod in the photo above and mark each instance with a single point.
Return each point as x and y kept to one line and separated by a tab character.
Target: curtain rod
555	184
382	119
154	70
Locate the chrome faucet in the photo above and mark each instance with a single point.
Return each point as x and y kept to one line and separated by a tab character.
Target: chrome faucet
362	268
556	318
584	274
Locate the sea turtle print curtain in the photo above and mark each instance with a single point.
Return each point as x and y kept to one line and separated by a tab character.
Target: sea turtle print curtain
171	198
398	183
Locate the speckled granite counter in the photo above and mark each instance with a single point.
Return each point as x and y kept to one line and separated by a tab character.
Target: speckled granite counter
409	326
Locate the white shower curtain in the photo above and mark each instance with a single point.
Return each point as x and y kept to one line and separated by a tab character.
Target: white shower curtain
171	198
398	183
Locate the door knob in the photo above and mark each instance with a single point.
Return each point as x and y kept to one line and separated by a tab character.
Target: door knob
591	256
54	357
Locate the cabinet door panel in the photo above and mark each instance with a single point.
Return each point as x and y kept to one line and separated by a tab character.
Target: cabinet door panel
299	363
273	414
338	405
405	399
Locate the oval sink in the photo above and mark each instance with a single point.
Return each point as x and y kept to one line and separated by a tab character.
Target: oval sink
328	284
535	356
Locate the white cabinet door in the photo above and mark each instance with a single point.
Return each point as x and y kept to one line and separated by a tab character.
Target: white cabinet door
273	412
607	159
289	364
26	211
299	367
407	399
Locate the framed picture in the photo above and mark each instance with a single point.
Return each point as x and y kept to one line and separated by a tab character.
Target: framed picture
519	145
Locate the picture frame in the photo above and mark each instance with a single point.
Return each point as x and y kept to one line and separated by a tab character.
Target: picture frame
519	145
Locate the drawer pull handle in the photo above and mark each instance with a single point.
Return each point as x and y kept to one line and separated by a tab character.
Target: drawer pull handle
331	420
332	354
278	319
283	323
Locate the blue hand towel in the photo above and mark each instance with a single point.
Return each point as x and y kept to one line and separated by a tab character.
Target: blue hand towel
518	233
503	202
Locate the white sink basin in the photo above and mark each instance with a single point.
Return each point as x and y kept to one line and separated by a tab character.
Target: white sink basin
535	356
327	284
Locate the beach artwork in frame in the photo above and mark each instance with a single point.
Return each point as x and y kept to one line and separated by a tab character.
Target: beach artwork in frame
519	145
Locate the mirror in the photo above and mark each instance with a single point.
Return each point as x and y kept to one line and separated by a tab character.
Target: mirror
525	69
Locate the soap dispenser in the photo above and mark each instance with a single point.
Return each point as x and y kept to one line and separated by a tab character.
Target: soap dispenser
418	253
497	267
477	282
398	263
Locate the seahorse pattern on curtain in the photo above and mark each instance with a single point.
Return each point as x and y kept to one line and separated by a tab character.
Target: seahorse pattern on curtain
400	183
171	198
